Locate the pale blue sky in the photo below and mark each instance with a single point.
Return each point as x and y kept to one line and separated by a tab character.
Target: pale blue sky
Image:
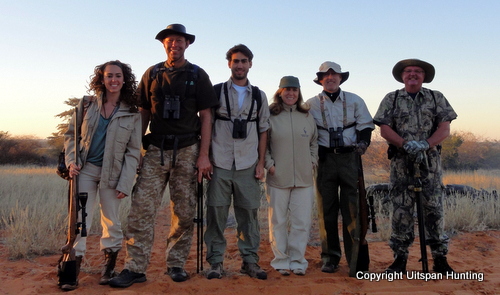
50	48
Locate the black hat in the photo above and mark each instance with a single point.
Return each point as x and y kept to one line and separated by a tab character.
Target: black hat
175	29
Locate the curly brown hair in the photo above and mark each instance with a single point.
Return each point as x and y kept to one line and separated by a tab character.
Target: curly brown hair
277	106
128	91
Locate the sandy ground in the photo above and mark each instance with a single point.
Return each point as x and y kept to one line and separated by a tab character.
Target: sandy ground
475	254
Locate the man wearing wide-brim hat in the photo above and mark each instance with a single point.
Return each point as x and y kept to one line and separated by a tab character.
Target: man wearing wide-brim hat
344	128
176	102
415	120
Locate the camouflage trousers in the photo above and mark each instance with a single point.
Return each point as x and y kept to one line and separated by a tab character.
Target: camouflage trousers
404	199
146	200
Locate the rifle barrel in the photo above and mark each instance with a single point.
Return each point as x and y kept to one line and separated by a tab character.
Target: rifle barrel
421	218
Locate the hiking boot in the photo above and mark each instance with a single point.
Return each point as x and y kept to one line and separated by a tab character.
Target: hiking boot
399	265
253	270
441	265
126	278
215	271
178	274
284	272
69	286
329	267
109	267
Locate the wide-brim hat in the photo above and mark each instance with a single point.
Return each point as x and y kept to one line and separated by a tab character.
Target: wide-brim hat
289	81
176	29
401	65
327	65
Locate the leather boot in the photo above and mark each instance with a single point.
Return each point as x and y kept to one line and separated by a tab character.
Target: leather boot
441	265
73	285
78	260
399	265
109	266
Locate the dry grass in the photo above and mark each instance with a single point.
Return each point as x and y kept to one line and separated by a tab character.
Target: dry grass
32	215
34	209
485	179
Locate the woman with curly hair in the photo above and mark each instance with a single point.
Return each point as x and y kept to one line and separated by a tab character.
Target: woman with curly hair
290	159
110	141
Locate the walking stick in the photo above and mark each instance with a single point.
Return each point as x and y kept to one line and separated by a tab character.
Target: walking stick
199	228
417	188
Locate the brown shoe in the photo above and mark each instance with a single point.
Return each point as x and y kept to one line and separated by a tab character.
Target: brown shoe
253	270
108	271
215	271
329	267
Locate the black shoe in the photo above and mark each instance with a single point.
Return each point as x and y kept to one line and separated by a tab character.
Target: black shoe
329	267
215	271
399	265
441	265
178	274
253	270
126	278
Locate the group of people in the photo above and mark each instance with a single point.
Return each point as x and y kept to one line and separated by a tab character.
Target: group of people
229	135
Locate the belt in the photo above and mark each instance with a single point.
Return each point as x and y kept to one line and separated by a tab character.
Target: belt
175	138
341	150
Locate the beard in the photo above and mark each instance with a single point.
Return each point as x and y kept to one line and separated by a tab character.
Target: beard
238	75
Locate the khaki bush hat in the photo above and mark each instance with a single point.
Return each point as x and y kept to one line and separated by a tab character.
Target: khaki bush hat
174	29
330	65
289	81
401	65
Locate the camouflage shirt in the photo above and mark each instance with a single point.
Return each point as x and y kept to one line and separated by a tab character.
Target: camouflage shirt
414	119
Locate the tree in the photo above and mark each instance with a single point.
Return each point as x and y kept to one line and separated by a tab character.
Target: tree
21	150
57	138
466	151
449	152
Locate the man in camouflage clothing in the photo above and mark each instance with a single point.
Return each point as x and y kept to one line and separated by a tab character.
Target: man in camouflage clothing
415	120
172	95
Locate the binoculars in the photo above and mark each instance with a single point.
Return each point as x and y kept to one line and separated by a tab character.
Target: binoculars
240	128
336	137
172	107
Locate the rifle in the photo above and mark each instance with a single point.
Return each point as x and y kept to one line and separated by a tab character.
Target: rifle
372	214
417	188
360	261
67	266
199	228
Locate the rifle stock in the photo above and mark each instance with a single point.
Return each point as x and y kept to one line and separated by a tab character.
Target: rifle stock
73	230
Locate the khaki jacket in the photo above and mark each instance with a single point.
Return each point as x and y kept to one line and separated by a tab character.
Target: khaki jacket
292	149
122	147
